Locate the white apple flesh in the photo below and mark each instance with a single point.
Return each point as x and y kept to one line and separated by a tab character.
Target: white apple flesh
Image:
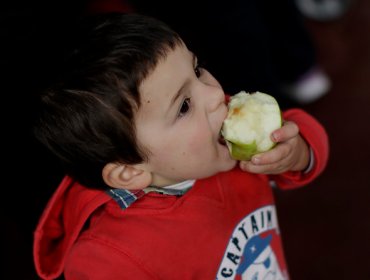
251	119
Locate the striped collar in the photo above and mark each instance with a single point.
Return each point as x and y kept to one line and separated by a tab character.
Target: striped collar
125	198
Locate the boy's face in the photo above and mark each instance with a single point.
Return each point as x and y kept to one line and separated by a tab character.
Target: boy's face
179	121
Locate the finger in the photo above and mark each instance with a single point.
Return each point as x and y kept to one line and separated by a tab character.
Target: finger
274	155
287	131
275	168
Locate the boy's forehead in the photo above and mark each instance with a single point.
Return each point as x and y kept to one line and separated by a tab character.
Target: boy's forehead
167	75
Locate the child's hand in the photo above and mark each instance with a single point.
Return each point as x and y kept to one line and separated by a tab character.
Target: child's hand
290	154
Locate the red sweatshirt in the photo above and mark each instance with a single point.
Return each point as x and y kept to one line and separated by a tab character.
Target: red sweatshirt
224	227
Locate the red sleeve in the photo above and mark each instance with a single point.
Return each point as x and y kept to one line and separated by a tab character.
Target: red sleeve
316	137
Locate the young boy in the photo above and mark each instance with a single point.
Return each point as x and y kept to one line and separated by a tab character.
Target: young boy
151	191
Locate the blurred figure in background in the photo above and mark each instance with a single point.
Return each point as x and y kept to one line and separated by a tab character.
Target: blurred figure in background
248	45
323	10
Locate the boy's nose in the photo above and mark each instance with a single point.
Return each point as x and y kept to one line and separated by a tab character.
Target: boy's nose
215	99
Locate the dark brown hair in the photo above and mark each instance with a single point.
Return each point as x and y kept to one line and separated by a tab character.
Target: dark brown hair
87	118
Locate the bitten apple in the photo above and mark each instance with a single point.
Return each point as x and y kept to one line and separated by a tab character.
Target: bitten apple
251	119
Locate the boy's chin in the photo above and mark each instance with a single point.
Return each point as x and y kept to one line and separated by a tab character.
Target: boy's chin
229	164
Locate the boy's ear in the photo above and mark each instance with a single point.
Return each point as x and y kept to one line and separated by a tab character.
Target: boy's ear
123	176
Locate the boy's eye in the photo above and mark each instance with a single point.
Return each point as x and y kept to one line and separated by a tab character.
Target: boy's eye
198	66
197	71
185	107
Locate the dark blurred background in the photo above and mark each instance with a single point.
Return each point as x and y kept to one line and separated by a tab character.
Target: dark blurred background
325	226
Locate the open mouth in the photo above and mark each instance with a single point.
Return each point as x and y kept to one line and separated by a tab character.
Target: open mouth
221	139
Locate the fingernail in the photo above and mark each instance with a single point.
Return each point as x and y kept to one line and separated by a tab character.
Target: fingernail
256	160
275	137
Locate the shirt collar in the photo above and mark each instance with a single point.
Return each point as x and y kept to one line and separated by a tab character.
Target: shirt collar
125	198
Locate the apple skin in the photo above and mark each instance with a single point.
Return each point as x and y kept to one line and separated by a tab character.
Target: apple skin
245	152
249	124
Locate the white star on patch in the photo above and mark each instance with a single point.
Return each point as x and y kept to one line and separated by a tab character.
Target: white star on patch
253	249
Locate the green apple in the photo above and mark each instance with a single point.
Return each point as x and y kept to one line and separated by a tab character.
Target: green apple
251	119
